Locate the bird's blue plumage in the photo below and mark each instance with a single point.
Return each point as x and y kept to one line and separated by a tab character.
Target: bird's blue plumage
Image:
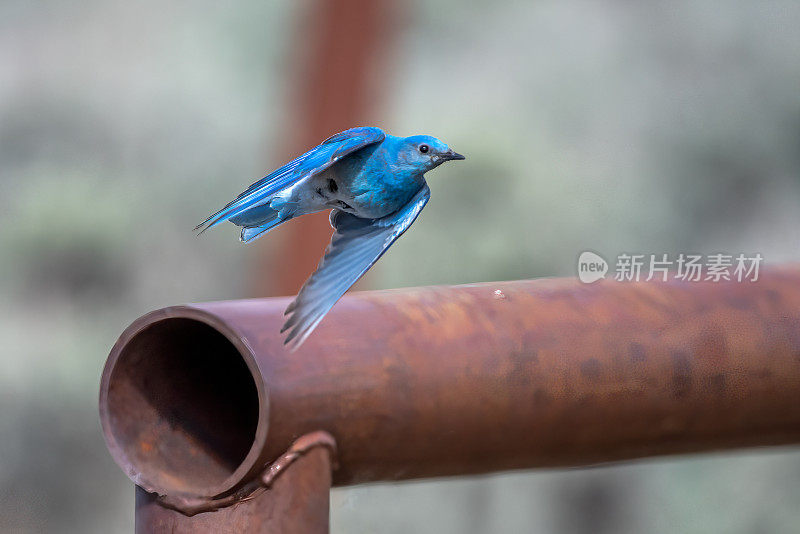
375	184
312	162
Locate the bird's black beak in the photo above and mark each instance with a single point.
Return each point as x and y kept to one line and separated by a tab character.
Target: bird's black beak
451	155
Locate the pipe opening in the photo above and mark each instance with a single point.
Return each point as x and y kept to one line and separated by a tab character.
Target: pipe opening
183	407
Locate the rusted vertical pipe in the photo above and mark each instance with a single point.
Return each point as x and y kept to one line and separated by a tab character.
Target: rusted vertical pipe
342	45
298	502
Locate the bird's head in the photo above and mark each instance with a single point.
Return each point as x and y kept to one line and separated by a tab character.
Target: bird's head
423	153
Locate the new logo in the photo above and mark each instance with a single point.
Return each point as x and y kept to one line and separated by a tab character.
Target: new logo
591	267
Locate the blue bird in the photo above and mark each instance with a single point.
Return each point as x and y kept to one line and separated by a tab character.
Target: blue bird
375	184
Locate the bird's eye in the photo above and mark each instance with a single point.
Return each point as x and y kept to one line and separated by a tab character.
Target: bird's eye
424	148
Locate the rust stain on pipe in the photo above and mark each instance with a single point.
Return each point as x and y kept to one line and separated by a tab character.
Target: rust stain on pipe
442	381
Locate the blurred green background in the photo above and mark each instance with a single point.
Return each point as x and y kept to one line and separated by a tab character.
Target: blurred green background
610	125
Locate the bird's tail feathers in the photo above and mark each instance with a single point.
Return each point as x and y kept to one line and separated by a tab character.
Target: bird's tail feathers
236	210
228	212
250	233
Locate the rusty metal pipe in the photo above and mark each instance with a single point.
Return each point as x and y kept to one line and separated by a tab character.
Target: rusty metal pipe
458	380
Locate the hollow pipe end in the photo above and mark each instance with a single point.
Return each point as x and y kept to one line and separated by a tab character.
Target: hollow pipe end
183	406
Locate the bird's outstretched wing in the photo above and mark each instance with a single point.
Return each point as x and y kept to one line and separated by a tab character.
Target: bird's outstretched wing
312	162
356	245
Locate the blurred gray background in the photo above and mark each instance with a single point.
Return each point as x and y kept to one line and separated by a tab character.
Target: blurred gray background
609	125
